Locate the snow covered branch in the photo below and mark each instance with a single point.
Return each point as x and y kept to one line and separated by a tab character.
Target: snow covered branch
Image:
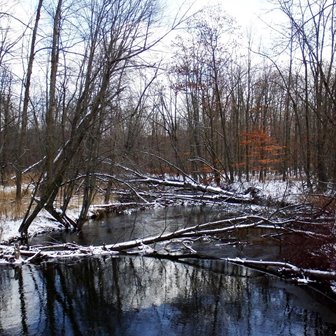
301	275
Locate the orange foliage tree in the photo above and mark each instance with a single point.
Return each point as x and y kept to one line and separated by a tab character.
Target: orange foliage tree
264	153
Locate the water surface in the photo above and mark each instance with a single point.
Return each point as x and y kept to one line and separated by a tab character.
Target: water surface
144	296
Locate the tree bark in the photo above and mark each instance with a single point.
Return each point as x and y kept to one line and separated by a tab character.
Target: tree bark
24	114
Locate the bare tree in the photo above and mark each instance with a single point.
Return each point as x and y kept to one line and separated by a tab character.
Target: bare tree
7	123
119	31
313	34
202	76
20	165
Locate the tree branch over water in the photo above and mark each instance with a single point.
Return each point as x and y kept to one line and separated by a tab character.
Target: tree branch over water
182	244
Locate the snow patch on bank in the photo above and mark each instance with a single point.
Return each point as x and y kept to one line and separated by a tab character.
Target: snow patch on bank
277	190
9	229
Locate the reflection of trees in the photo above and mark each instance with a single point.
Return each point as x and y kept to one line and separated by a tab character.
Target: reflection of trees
59	299
4	300
122	294
23	309
130	296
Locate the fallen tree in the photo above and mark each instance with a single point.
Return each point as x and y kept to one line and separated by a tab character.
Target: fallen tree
141	191
180	245
301	275
15	256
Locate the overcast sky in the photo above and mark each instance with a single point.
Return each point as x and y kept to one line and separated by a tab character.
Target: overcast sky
253	16
249	14
246	11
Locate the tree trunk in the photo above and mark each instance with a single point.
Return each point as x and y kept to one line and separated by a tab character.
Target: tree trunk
24	113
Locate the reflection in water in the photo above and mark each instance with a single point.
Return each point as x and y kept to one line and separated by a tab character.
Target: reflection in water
143	296
139	224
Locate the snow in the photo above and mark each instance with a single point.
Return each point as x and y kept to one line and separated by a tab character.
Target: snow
333	286
303	281
9	229
288	191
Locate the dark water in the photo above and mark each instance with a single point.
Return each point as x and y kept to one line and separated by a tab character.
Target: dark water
145	296
140	224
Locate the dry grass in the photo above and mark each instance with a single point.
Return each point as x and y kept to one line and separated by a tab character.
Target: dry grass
9	207
11	210
326	203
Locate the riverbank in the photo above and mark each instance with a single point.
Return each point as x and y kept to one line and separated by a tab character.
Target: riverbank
43	223
302	232
273	189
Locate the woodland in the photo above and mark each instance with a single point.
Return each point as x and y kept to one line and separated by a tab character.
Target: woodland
115	102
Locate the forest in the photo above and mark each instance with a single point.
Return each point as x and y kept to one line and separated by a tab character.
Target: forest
105	100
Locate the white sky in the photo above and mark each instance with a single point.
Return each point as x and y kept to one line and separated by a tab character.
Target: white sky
249	14
245	11
255	17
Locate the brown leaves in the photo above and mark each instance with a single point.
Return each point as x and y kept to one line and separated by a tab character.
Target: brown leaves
263	151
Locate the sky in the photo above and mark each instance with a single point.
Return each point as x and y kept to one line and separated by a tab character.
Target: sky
248	13
256	18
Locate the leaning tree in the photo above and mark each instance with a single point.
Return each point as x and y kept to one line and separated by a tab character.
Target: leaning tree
107	40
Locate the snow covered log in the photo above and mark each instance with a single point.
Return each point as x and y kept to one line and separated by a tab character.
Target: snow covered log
301	275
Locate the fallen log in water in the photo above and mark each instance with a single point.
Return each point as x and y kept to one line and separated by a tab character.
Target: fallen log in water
14	256
301	275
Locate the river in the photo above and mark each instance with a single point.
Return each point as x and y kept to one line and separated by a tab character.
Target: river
146	296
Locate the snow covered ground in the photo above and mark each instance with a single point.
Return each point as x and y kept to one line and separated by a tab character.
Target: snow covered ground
288	191
9	229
